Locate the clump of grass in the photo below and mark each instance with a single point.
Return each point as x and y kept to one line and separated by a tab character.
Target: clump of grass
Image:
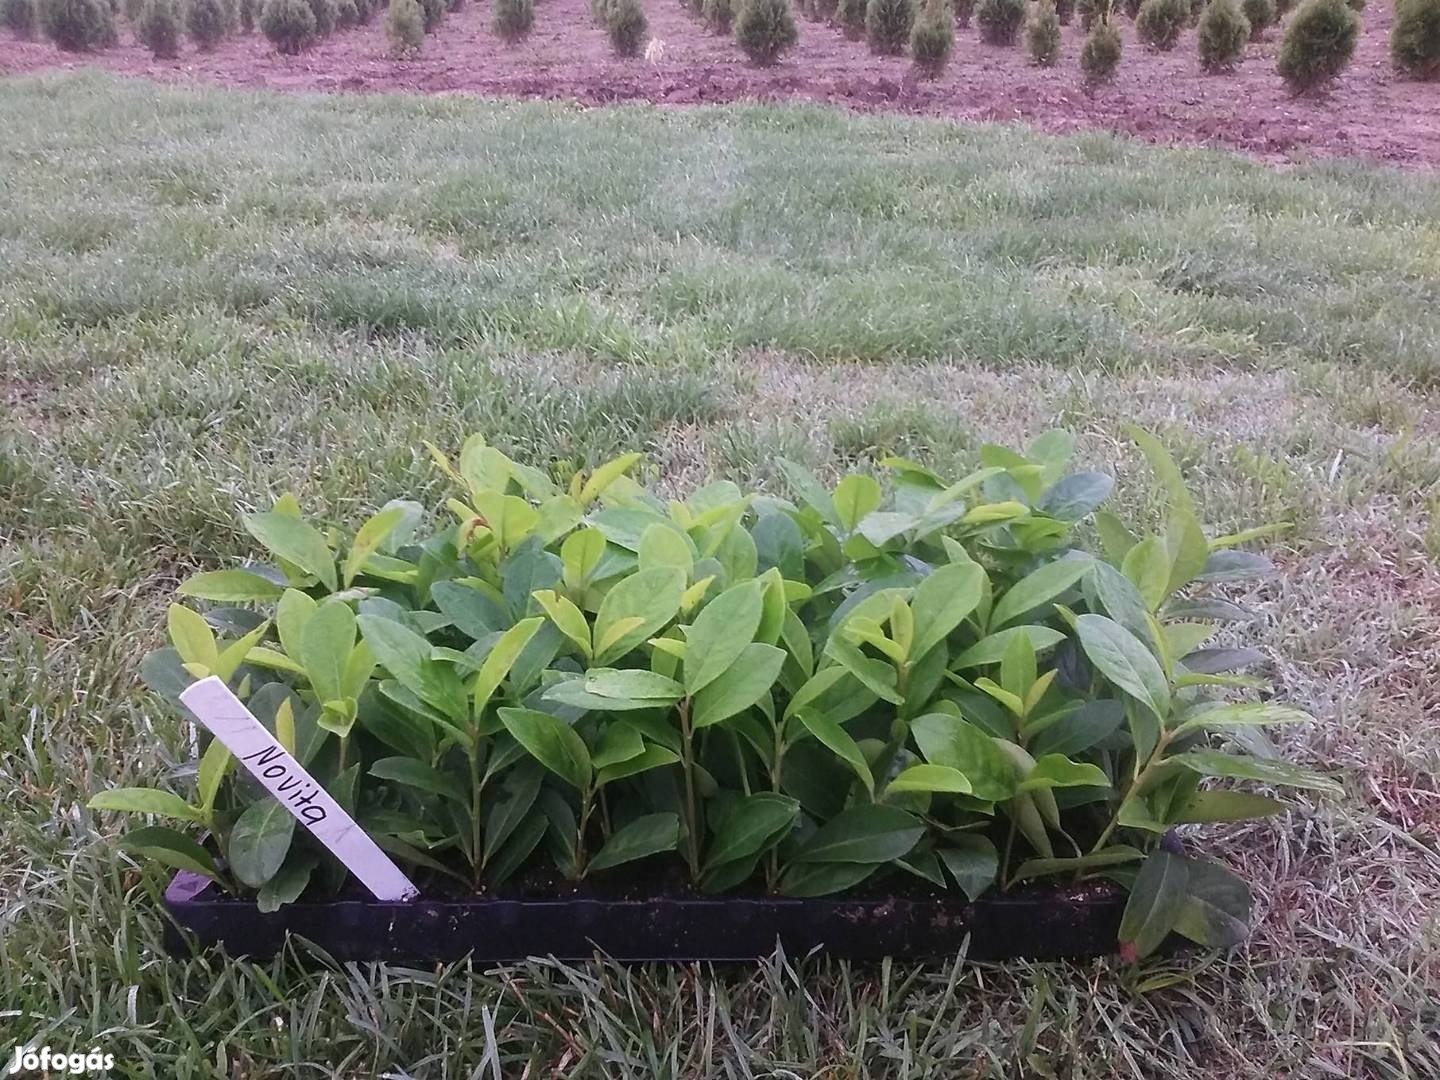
888	24
765	29
1000	20
1260	14
289	25
627	26
207	22
932	38
1222	35
1042	34
327	16
1415	38
78	25
1161	22
158	29
512	19
1318	45
405	28
1100	55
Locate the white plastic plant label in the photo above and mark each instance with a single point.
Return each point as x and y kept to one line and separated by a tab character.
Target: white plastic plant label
255	748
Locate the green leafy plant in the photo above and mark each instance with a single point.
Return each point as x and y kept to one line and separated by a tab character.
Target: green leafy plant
1318	45
932	39
1260	14
1161	22
915	678
1222	35
158	29
289	25
888	24
1042	34
78	25
1000	20
1100	55
765	29
1415	38
405	28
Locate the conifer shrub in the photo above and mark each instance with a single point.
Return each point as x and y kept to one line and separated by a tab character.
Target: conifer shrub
932	38
1000	20
719	15
1065	11
1092	11
964	11
1319	43
432	14
1042	34
1260	14
1415	38
78	25
888	24
1222	35
158	29
823	10
364	11
1100	55
627	26
19	17
289	25
132	10
1161	22
245	14
405	28
765	29
512	19
1132	8
850	14
327	15
207	23
347	15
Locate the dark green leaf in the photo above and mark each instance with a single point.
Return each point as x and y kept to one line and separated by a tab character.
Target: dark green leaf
1154	906
260	841
648	835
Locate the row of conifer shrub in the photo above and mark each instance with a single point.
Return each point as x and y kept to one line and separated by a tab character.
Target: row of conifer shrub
1318	43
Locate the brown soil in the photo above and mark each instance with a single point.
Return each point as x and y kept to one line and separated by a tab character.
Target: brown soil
1160	97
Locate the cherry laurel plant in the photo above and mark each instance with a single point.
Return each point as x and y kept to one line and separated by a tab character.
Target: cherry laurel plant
916	681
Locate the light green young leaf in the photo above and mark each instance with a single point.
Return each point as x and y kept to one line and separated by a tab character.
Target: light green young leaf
930	778
720	633
1147	565
855	497
146	801
501	659
193	639
634	684
369	538
1220	716
1264	770
647	600
948	740
296	542
231	587
325	646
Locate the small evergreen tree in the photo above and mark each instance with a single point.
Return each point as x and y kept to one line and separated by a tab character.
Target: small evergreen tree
1415	38
627	26
158	29
1132	8
1065	11
78	25
765	29
932	38
1259	14
964	11
512	19
347	15
405	28
887	25
132	10
207	23
1319	43
432	13
246	15
1161	22
19	17
823	10
1042	34
1000	20
718	15
1100	55
850	14
1222	35
364	11
289	25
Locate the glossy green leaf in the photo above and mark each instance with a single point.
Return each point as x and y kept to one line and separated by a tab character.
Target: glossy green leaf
647	835
839	741
743	684
866	833
1222	716
1123	659
972	862
991	649
750	826
855	496
552	742
642	604
296	542
1155	903
1206	806
231	587
502	658
930	778
369	538
260	841
1110	856
171	848
942	601
1043	586
720	634
948	740
325	645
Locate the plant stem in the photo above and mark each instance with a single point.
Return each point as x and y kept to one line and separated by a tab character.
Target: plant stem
692	825
475	786
1156	759
586	800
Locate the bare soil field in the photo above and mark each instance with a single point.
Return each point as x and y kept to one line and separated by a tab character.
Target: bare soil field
1159	97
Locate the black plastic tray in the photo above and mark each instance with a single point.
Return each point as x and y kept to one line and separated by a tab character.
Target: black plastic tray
1039	923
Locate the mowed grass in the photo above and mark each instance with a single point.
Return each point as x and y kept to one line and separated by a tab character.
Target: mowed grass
208	298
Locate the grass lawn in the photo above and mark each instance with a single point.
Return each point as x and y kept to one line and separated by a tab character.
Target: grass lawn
209	297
